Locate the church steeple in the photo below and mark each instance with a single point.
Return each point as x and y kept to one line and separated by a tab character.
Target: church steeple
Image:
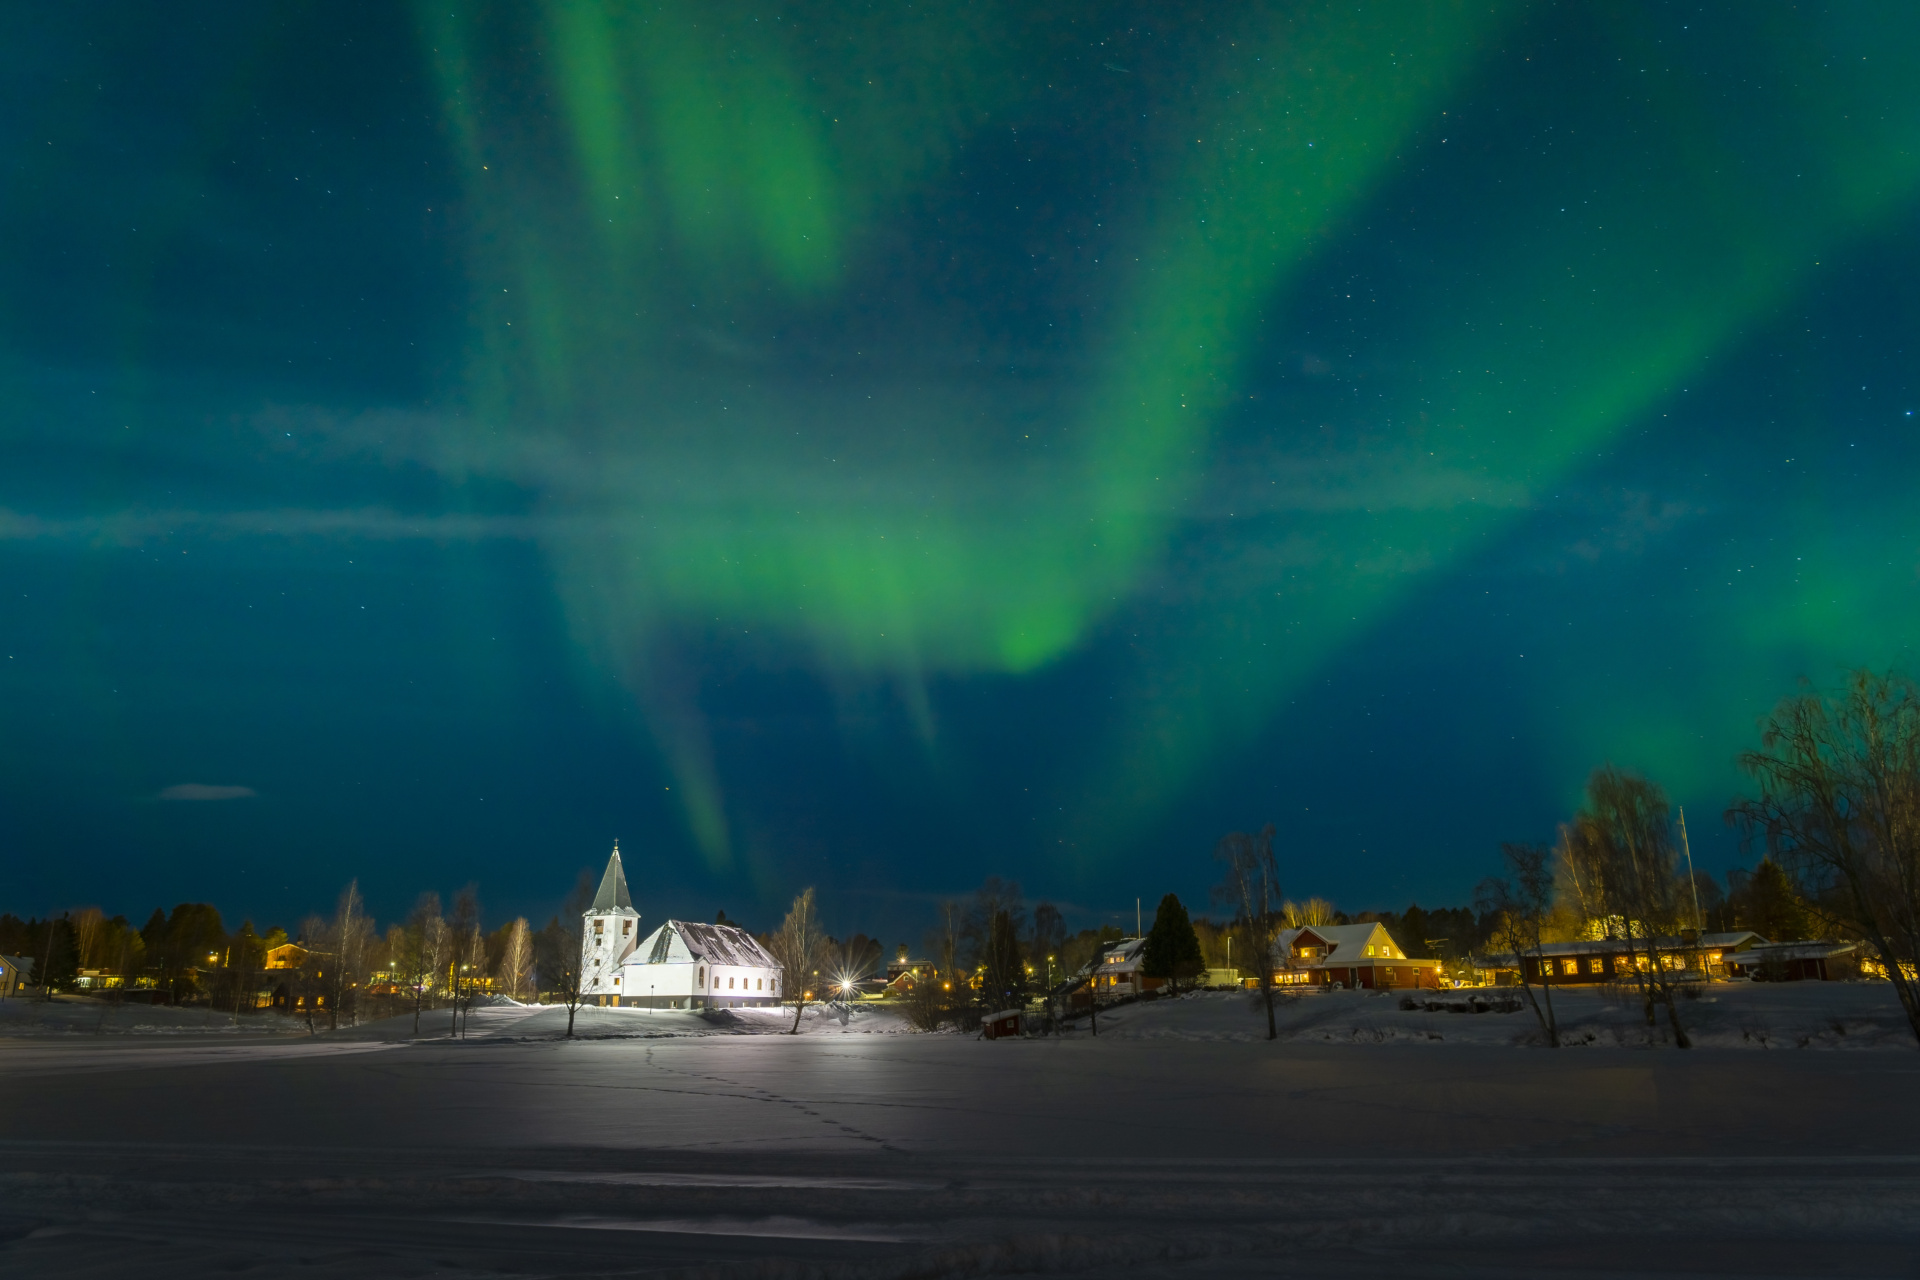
613	886
609	931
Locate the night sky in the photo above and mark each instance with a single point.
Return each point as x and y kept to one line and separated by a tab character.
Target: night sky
883	446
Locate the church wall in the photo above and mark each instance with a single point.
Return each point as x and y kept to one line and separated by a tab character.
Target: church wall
693	984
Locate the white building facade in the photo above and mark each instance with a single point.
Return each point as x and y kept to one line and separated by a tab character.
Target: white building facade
680	965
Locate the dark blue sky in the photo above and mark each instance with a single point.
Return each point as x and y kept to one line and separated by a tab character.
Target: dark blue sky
880	451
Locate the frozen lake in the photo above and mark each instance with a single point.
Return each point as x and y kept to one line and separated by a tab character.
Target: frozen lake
882	1155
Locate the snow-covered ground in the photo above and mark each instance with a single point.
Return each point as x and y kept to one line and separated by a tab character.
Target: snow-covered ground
505	1020
1740	1015
1733	1015
1174	1145
85	1015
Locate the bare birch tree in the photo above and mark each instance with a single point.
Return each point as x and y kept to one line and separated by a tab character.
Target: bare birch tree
1621	842
1838	805
1252	889
348	936
416	950
88	926
798	946
1300	915
463	931
1520	903
557	949
310	979
516	960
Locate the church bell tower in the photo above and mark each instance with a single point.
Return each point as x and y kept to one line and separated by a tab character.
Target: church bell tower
610	931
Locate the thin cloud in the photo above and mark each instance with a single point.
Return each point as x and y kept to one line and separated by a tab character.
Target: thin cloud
201	791
130	528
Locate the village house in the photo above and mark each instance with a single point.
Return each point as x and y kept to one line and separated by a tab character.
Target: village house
13	974
288	955
1117	975
1599	960
1355	956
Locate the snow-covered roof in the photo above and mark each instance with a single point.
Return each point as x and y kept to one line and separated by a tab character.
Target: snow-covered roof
1343	941
1822	949
1737	940
683	942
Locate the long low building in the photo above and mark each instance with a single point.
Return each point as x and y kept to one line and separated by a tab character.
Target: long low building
1592	961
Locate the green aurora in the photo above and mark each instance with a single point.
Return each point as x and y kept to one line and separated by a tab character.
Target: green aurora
899	530
1136	370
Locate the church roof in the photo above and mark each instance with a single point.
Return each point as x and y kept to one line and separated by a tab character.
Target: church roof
721	944
613	887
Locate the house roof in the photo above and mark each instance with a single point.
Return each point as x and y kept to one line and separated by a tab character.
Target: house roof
1738	939
1343	941
1823	949
613	886
721	944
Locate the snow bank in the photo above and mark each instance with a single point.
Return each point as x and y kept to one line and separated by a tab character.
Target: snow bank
1734	1015
87	1015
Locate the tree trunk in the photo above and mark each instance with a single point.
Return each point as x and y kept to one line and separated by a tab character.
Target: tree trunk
1273	1031
570	1009
1680	1040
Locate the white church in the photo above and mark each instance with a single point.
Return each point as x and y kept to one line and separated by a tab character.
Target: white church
680	965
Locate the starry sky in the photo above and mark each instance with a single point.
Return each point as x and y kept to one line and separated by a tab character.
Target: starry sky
882	447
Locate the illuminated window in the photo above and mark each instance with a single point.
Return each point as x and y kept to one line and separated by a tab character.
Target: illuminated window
729	984
598	925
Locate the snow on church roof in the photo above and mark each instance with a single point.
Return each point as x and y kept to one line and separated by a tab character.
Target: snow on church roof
721	944
613	887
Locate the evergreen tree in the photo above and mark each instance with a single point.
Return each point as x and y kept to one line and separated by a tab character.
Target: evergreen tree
61	970
1773	907
1172	950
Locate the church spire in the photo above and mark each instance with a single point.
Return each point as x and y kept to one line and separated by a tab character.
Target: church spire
613	886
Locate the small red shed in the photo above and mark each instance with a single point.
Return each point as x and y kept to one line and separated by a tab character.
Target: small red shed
1007	1022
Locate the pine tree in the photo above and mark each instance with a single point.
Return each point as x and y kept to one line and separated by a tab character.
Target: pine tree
61	970
1172	950
1773	906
